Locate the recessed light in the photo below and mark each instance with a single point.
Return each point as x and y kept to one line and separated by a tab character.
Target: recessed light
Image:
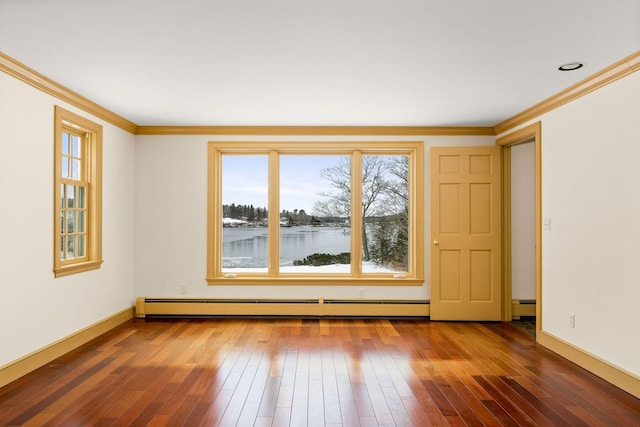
571	66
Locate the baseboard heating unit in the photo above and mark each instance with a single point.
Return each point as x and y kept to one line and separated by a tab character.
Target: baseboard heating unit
523	308
165	307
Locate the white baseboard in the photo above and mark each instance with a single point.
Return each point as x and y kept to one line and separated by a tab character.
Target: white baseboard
32	361
605	370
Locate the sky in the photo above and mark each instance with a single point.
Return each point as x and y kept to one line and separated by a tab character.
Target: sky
245	180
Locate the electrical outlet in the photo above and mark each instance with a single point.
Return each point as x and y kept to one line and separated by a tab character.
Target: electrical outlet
572	320
183	288
360	292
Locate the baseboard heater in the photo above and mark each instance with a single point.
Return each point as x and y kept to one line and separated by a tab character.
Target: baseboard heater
523	308
177	307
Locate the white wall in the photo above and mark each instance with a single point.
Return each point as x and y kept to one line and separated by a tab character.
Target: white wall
590	257
523	221
37	309
171	212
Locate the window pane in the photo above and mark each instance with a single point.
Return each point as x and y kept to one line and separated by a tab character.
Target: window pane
75	146
75	173
81	222
62	215
62	249
71	196
315	211
70	247
245	183
385	213
62	190
65	167
81	245
81	198
65	143
71	222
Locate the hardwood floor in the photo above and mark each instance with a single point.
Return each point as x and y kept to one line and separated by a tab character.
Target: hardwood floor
316	372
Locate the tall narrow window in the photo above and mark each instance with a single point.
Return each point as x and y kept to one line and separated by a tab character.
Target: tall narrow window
244	213
314	232
78	194
315	213
385	213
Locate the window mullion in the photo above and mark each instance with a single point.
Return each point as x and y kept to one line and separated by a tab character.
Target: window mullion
416	225
274	214
356	214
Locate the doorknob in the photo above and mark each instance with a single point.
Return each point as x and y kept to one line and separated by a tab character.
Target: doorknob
435	243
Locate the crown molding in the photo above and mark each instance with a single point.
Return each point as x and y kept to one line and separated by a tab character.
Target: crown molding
521	135
610	74
316	130
614	72
31	77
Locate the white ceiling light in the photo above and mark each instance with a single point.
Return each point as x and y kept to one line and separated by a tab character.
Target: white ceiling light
571	66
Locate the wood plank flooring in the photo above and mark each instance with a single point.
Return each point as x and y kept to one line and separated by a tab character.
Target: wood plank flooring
314	372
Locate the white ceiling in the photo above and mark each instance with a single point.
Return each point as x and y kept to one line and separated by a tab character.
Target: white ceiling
317	62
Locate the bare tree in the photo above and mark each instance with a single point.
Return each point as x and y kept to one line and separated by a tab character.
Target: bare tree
374	187
338	203
398	200
399	189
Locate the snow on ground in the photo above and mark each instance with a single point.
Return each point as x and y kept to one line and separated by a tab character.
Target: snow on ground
367	267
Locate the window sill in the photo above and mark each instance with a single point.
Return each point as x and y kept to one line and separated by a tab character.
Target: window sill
66	270
311	280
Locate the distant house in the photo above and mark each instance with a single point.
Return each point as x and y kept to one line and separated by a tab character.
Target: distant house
285	222
231	222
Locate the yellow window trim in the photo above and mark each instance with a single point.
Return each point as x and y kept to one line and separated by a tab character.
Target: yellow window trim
78	267
216	149
91	178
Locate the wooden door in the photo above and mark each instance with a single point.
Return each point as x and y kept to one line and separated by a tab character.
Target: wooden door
465	233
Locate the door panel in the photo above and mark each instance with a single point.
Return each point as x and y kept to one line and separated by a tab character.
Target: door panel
480	208
450	289
465	230
450	221
480	275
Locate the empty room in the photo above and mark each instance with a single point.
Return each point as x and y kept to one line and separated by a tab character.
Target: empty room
336	213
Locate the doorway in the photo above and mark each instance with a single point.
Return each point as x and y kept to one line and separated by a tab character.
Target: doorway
514	147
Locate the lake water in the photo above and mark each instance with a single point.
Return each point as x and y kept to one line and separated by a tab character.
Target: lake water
247	247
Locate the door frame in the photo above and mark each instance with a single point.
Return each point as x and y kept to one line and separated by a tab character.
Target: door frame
520	136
